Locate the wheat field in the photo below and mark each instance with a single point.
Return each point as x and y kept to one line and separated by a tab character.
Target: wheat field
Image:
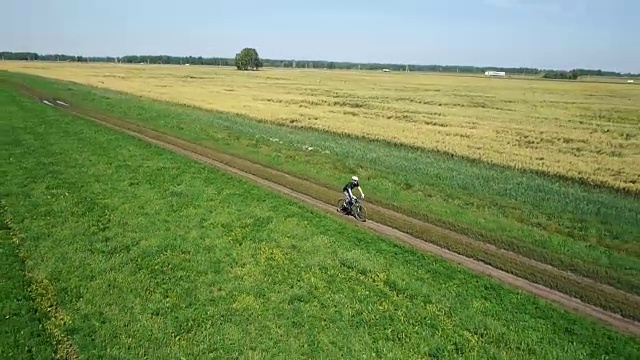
577	129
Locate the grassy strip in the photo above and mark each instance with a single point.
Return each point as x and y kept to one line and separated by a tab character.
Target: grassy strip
154	256
589	231
45	302
21	333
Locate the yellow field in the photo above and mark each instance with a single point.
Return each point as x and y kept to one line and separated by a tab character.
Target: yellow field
578	129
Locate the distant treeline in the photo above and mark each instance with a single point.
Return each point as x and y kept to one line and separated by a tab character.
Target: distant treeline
316	64
565	75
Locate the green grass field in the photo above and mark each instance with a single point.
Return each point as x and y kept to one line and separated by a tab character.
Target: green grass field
150	254
591	231
21	333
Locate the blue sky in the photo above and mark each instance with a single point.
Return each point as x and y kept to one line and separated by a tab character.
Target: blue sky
560	34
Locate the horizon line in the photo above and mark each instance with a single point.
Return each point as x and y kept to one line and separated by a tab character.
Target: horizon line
482	67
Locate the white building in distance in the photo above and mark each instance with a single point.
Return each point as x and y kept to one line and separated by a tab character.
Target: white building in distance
495	73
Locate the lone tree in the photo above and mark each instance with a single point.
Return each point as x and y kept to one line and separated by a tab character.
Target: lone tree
248	59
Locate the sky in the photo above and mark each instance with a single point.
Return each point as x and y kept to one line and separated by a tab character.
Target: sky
558	34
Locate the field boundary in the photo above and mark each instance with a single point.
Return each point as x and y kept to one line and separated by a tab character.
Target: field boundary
423	236
43	296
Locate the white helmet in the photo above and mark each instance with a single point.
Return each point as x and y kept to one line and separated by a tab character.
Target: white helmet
354	178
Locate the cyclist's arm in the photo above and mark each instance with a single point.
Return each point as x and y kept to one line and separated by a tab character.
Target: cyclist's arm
350	193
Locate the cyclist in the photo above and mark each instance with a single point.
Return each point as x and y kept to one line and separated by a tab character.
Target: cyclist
347	190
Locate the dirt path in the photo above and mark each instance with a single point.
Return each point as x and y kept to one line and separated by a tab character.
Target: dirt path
564	300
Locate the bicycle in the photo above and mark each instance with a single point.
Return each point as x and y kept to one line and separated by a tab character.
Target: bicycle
357	210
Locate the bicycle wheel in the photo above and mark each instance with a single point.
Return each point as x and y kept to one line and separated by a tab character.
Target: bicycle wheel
361	213
341	205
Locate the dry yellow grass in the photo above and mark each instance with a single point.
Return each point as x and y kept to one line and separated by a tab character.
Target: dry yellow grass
583	130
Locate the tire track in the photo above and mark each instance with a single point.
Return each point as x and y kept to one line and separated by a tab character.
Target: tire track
570	303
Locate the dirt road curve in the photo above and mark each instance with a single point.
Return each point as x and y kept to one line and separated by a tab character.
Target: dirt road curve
566	301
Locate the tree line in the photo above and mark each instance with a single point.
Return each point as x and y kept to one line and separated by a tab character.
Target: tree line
310	64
